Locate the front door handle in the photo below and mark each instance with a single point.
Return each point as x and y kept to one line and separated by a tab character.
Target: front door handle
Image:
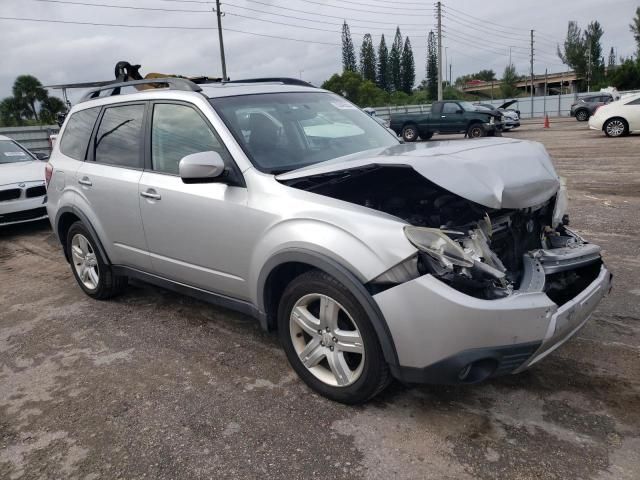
443	116
85	181
151	194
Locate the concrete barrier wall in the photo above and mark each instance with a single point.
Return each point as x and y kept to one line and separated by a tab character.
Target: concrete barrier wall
35	139
552	105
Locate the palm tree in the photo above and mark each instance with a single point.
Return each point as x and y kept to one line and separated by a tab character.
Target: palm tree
28	90
50	107
11	111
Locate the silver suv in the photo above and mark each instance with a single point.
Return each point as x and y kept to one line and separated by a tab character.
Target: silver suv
440	262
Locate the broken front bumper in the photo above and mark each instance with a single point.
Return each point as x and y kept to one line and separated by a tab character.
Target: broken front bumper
444	336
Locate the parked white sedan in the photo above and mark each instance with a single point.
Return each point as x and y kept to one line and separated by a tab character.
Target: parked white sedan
23	194
618	118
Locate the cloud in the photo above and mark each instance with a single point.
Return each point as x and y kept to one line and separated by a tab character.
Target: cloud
57	53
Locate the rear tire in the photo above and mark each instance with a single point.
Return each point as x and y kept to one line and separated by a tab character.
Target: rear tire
426	136
476	130
616	127
329	339
410	133
93	274
582	115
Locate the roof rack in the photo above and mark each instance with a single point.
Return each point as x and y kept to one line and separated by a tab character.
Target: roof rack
172	83
283	80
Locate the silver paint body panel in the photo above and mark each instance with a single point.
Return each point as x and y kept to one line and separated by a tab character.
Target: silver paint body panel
217	237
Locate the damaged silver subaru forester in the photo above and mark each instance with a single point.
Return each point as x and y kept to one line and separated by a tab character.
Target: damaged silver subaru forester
440	262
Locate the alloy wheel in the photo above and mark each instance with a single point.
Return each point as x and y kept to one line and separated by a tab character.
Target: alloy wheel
327	340
582	116
85	261
615	128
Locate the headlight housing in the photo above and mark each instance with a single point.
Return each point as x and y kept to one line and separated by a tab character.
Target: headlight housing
562	203
438	245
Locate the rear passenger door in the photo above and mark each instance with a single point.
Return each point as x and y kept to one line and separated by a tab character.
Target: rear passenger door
109	179
198	234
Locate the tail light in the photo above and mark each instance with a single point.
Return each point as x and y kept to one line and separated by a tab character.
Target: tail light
48	172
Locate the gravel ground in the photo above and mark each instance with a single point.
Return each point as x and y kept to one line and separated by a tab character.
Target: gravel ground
158	385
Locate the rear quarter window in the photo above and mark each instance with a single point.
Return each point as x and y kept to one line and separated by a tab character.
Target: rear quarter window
76	135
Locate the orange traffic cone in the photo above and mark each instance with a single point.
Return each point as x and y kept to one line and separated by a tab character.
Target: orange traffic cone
546	121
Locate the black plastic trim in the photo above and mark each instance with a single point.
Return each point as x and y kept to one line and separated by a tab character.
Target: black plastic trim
507	358
344	276
195	292
83	218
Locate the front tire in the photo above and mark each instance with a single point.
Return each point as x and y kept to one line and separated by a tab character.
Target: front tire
89	268
410	133
616	127
476	130
329	339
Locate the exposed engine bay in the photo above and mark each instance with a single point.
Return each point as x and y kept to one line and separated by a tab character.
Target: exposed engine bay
486	253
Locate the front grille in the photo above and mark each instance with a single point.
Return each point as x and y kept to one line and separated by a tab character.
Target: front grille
10	194
24	215
39	191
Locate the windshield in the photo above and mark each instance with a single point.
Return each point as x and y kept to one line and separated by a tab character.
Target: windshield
280	132
468	106
11	152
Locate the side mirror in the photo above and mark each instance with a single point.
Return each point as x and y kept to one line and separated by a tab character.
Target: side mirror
202	167
459	111
42	156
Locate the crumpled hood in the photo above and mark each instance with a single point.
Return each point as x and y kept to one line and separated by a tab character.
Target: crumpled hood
494	172
17	172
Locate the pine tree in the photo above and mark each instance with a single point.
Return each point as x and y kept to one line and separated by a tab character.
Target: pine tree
348	52
432	67
612	59
383	77
509	80
407	68
368	59
395	62
592	36
635	29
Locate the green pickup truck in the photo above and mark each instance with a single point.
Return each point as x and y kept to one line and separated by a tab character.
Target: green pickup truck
449	116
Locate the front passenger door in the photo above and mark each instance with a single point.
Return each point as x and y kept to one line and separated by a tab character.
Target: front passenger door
198	234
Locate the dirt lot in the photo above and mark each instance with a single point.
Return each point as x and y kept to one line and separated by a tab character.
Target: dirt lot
160	386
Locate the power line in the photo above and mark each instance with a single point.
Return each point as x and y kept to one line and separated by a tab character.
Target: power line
340	17
466	14
360	10
127	7
305	26
163	27
390	27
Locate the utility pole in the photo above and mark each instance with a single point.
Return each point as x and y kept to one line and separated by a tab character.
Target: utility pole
439	15
450	75
589	68
531	73
219	15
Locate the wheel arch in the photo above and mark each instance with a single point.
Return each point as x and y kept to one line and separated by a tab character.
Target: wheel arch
66	217
283	267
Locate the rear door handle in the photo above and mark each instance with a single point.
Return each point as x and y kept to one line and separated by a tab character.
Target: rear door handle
85	181
151	194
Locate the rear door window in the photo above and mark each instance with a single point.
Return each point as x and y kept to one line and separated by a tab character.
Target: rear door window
77	133
119	137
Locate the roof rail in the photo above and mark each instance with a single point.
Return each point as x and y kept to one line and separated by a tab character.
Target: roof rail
172	83
283	80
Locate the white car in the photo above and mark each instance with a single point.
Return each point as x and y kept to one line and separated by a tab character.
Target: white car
618	118
23	194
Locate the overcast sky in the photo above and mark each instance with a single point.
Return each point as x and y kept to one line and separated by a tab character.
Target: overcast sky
59	53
